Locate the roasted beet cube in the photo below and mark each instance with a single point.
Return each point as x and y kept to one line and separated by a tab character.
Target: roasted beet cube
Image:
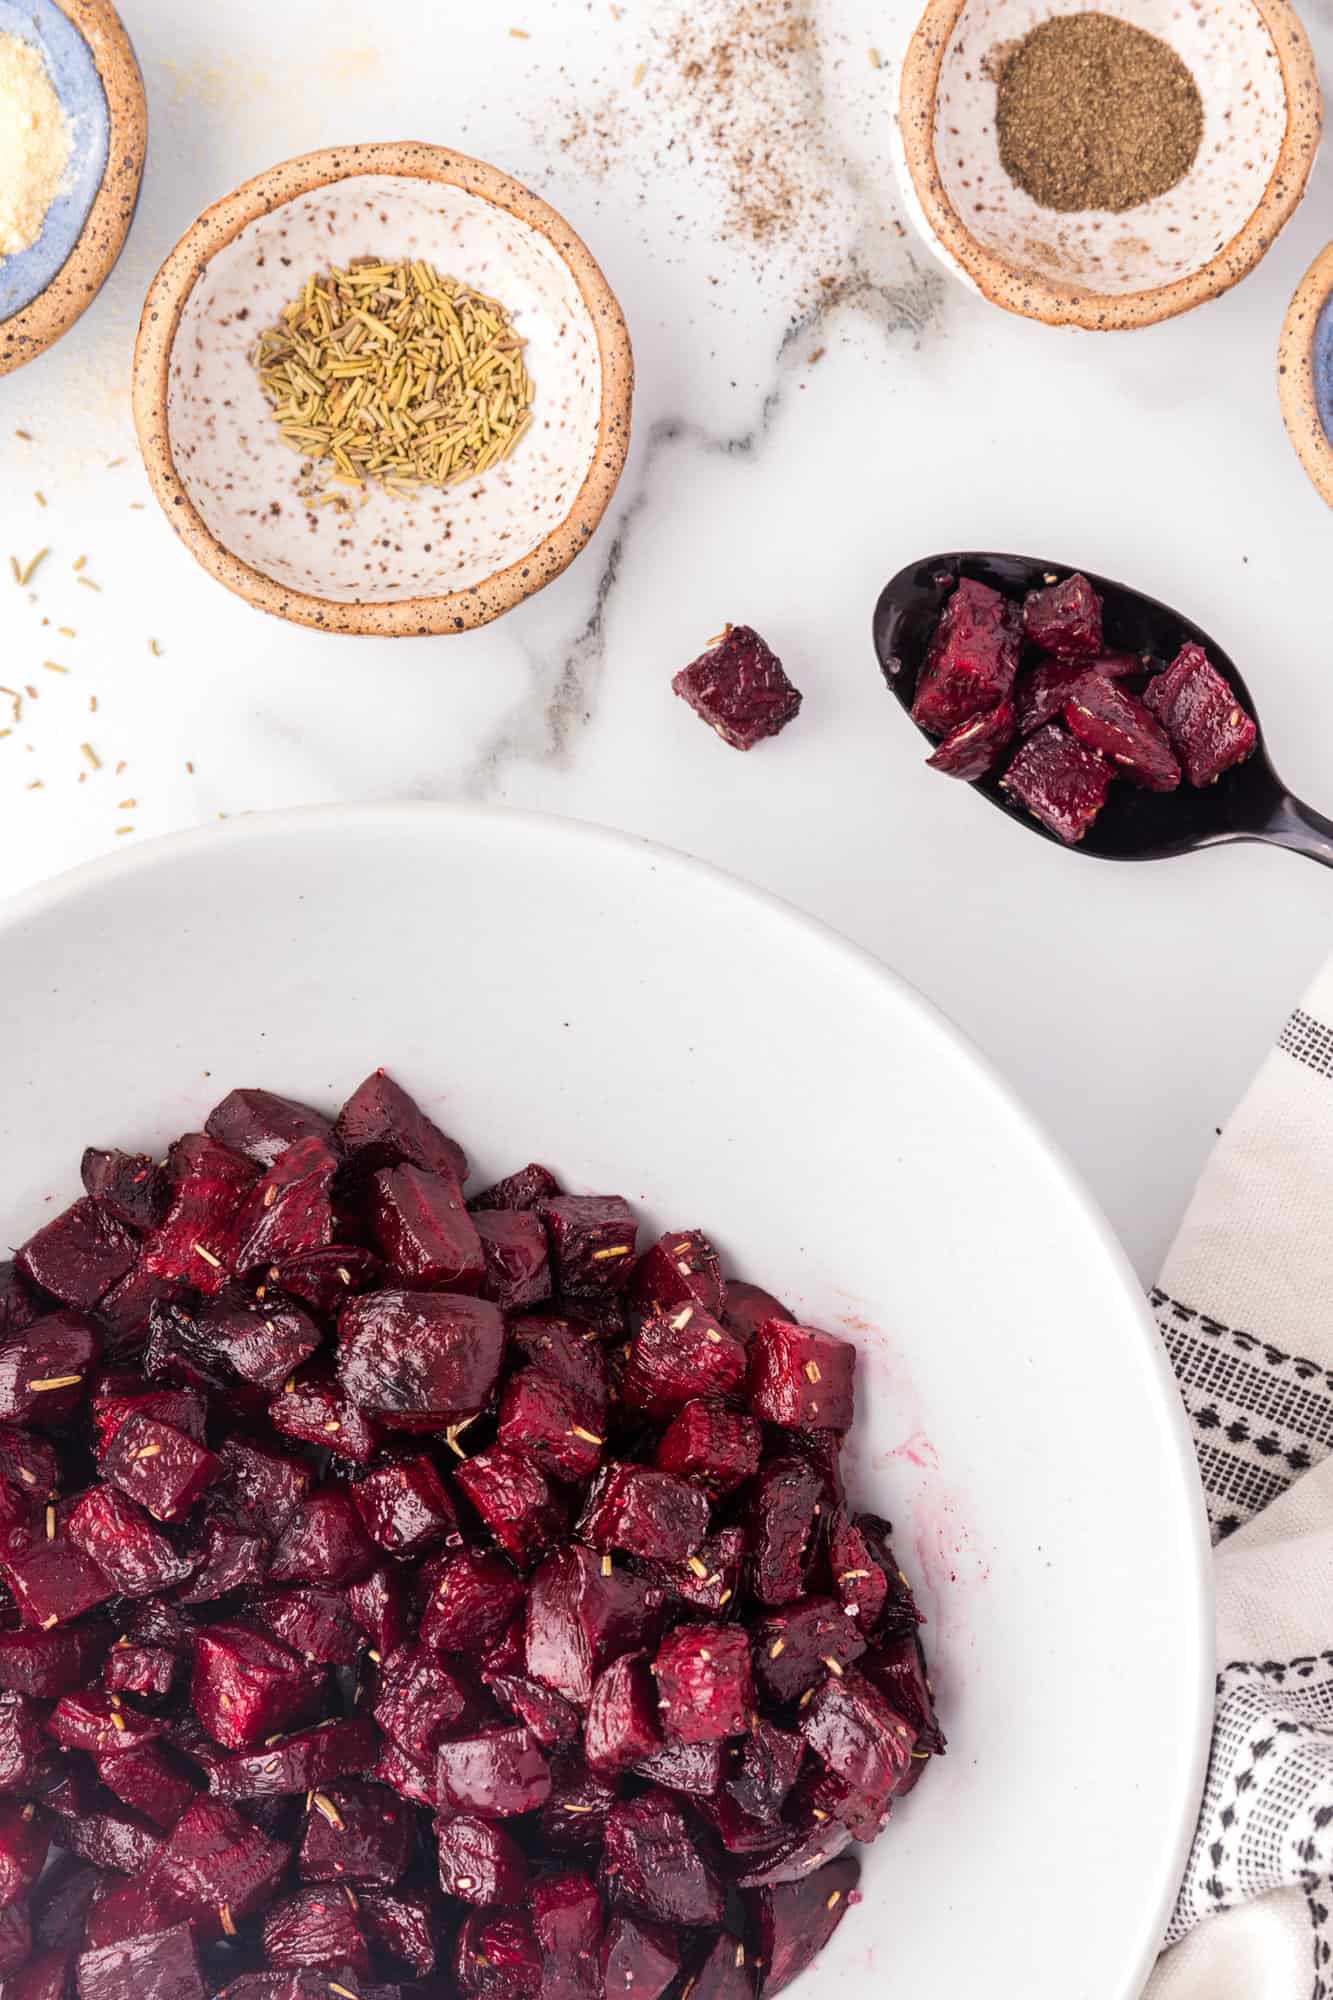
573	1820
150	1781
129	1186
44	1370
266	1485
263	1125
246	1687
725	1973
124	1544
581	1614
423	1230
971	659
705	1682
378	1603
566	1914
747	1307
401	1924
53	1659
552	1720
161	1966
355	1833
419	1700
1105	718
317	1624
472	1598
859	1738
1208	729
709	1579
323	1542
513	1247
381	1126
858	1577
17	1306
785	1498
515	1501
970	749
1061	782
801	1377
678	1354
767	1766
566	1349
496	1774
738	687
710	1444
53	1584
645	1513
46	1976
419	1359
27	1463
159	1466
134	1669
289	1212
208	1184
324	1280
403	1774
404	1507
117	1397
318	1926
528	1188
1065	619
314	1409
111	1837
552	1423
25	1837
1041	692
795	1920
215	1862
692	1768
900	1612
100	1723
479	1863
298	1763
797	1647
295	1983
263	1340
652	1866
681	1268
20	1742
233	1557
60	1903
592	1240
79	1254
496	1958
621	1727
896	1668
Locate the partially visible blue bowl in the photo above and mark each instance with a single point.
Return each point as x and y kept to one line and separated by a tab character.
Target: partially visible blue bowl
93	70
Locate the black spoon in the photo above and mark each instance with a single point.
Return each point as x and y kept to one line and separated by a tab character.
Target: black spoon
1249	802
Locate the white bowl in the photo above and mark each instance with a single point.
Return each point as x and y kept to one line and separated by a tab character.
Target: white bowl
649	1026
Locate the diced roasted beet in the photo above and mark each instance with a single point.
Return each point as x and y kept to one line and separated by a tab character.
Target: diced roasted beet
692	1768
645	1513
419	1699
317	1926
323	1542
970	749
265	1486
208	1184
20	1742
652	1866
796	1647
573	1820
822	1452
61	1900
801	1376
17	1306
79	1254
246	1687
159	1466
129	1186
44	1370
739	688
124	1544
295	1983
528	1188
725	1973
317	1624
404	1506
324	1280
552	1720
479	1862
53	1584
551	1422
1107	719
513	1247
22	1522
621	1727
681	1268
100	1723
233	1556
25	1837
381	1126
298	1763
971	659
681	1353
263	1125
496	1774
767	1766
900	1613
161	1966
1065	619
402	1924
315	1410
592	1239
581	1614
419	1359
566	1915
48	1976
710	1444
143	1670
263	1340
378	1603
289	1212
473	1596
785	1497
747	1307
1208	729
1060	781
174	1351
496	1958
794	1921
215	1868
15	1940
857	1576
27	1463
123	1313
515	1501
424	1231
116	1397
857	1736
565	1349
897	1670
150	1781
1041	692
705	1682
403	1774
355	1833
54	1658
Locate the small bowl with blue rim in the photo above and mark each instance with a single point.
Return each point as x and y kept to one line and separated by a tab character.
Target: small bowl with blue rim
92	67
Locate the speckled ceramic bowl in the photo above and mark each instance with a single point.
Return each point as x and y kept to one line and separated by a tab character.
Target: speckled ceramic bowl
92	69
1262	118
1305	372
231	487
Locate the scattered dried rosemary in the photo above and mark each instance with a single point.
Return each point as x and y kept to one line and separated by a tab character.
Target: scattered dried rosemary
392	373
1092	112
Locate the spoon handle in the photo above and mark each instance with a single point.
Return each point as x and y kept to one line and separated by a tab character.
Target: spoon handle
1298	826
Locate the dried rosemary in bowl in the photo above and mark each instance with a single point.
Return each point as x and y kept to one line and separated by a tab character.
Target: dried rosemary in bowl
391	373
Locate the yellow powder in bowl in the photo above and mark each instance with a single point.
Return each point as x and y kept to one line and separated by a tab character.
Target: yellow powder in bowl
35	144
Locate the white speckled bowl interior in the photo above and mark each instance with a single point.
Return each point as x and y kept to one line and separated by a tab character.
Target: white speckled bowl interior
1261	124
434	561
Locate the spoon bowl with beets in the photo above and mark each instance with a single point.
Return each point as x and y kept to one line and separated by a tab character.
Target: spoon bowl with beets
1096	716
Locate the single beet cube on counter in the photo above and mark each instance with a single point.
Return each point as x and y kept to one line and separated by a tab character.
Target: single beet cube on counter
1208	729
971	660
1109	720
1065	619
739	688
969	750
1061	782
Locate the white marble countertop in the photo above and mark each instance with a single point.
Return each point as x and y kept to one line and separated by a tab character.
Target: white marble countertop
1127	1005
